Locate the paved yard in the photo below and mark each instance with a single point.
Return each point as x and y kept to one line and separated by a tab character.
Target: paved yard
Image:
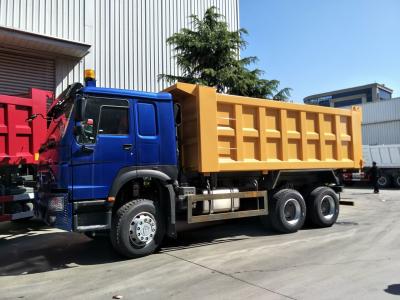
358	258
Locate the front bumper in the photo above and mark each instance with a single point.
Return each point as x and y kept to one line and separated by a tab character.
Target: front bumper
55	210
82	216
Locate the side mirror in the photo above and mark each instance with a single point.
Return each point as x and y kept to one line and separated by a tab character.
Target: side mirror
177	114
80	106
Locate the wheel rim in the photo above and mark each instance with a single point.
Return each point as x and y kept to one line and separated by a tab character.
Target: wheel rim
382	181
398	180
328	207
143	229
292	211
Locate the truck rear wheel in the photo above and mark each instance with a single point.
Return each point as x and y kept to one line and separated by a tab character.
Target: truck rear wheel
383	181
287	211
137	228
396	180
323	207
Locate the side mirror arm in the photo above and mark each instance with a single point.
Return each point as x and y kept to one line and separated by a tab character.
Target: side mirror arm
80	106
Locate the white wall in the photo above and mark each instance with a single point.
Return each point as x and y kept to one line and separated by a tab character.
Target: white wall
127	36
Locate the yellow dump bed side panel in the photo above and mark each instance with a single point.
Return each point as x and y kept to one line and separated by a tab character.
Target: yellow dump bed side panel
232	133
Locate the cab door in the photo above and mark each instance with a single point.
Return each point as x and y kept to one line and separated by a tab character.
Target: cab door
107	147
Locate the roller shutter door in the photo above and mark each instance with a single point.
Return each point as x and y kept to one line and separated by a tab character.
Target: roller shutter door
19	73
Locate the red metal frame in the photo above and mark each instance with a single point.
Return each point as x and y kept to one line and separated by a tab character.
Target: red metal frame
20	139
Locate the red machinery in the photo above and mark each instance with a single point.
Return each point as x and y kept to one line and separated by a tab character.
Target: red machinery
20	141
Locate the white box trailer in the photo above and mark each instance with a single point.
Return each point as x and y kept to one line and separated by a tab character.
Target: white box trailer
387	158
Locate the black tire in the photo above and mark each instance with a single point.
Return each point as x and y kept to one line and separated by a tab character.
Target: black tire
125	238
287	211
396	180
322	207
383	181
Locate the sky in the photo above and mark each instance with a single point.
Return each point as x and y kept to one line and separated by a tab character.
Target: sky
315	46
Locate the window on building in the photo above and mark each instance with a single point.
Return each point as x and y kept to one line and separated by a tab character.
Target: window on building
384	95
347	102
325	103
310	101
367	92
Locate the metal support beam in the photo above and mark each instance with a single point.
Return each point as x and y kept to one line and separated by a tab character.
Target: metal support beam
227	215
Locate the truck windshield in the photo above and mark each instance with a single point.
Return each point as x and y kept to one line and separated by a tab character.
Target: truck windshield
65	115
60	111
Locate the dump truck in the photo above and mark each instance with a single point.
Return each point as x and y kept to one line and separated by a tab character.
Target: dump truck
20	141
130	164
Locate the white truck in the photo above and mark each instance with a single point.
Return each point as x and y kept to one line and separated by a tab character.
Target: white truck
387	158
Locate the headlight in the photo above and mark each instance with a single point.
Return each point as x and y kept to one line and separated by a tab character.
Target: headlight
56	204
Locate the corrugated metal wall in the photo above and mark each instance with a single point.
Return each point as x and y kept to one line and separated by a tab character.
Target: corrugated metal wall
127	36
382	111
385	133
57	18
381	122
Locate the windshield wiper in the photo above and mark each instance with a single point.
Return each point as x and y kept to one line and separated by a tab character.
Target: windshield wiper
63	99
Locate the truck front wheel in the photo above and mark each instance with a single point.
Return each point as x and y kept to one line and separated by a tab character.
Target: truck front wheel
323	207
287	211
137	228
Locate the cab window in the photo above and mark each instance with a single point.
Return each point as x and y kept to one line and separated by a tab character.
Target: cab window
147	121
90	124
113	120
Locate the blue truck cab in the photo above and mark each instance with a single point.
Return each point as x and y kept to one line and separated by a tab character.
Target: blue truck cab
99	140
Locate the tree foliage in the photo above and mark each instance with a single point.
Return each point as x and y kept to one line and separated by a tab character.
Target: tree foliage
208	54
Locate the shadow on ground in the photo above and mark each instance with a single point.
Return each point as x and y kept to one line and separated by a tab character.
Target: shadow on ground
222	232
31	247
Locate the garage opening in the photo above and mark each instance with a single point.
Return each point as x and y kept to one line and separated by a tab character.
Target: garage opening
19	73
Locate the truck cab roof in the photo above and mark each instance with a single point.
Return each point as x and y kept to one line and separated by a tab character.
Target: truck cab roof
162	96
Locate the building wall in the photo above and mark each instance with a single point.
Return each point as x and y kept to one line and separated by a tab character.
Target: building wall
351	96
127	37
381	122
385	133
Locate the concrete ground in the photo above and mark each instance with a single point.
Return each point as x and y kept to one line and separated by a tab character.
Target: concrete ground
358	258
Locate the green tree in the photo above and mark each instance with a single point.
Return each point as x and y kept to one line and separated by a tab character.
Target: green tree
209	55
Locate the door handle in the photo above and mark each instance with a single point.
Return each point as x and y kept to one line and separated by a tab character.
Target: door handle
127	146
86	149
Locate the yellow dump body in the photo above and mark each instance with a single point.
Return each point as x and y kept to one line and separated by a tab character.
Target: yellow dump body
223	133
